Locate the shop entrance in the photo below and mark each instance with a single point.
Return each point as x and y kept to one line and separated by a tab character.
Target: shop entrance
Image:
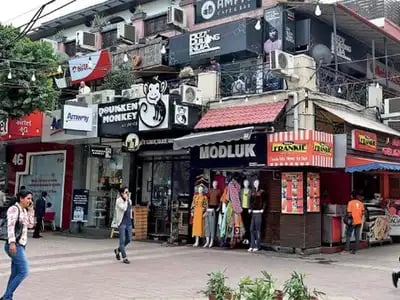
162	182
367	183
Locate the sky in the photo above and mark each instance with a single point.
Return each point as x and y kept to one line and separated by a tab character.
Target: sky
19	12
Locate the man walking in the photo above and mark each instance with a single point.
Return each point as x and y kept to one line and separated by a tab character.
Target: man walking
355	210
40	209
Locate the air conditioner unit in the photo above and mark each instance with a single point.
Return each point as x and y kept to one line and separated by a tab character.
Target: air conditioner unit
86	40
281	62
393	123
176	16
105	96
391	115
191	94
126	32
53	44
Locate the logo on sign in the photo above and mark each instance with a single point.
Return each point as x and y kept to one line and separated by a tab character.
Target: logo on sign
289	147
3	127
213	9
201	42
227	151
119	113
322	148
131	143
153	111
75	117
341	48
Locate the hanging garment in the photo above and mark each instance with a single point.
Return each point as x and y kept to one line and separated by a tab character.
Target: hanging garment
199	206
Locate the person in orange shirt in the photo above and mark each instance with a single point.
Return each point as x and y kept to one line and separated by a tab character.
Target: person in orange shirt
355	209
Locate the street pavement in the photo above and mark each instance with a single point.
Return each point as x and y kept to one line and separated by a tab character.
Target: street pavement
75	268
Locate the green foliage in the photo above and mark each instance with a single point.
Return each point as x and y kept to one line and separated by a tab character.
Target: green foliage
120	78
296	289
20	96
216	286
260	288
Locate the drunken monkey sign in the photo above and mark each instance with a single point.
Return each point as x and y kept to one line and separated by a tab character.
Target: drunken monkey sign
302	148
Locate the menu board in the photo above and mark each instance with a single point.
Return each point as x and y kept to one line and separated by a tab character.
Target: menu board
313	192
292	193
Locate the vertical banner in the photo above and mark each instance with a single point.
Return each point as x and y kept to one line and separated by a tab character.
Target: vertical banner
292	193
313	192
80	205
273	29
289	31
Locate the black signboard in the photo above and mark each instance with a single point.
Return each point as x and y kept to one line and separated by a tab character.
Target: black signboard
118	119
101	151
207	10
80	205
251	153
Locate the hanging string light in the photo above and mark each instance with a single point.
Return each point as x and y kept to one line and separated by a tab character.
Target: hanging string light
33	78
59	69
126	58
9	76
317	11
258	25
163	50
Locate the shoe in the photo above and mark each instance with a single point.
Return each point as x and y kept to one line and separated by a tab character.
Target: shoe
126	261
250	250
117	256
255	249
34	237
395	279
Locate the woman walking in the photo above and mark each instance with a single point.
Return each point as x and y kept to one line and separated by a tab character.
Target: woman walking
20	217
123	220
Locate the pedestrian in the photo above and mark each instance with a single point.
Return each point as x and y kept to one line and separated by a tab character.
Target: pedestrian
123	221
40	208
355	210
395	277
20	217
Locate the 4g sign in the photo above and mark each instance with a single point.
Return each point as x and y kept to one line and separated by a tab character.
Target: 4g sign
18	159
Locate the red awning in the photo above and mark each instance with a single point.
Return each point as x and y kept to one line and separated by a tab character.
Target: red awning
241	115
358	164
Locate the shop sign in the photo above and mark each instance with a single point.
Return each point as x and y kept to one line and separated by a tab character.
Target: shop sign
232	154
207	10
364	141
80	205
302	148
131	143
81	69
77	118
392	80
313	192
202	42
393	152
292	193
24	127
157	142
101	151
341	48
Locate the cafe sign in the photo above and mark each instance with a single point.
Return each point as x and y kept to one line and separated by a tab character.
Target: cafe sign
302	148
364	141
207	10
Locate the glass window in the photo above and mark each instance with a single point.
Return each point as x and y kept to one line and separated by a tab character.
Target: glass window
109	38
155	25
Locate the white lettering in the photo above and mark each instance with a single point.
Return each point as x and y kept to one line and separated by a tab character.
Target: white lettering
120	108
229	151
214	152
130	116
200	42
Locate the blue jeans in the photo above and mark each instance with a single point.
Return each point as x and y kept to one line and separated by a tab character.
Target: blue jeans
125	237
349	233
19	270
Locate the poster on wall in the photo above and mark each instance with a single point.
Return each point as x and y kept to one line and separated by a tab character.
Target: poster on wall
49	179
394	211
80	205
313	192
292	193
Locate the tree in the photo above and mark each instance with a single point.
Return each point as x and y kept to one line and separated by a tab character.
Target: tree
26	83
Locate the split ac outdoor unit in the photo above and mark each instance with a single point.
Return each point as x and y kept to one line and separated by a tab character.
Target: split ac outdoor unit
191	94
52	43
281	62
176	16
106	96
126	32
391	116
86	40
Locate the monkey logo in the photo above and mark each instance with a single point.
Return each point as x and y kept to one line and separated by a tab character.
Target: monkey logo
153	110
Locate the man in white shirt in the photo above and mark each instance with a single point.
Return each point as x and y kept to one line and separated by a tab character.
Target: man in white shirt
84	89
273	43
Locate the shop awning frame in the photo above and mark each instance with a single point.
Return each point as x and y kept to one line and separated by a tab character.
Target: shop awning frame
357	164
212	137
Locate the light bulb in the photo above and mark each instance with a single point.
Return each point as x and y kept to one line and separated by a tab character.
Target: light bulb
90	64
317	11
33	78
163	50
9	76
339	90
126	58
258	25
377	85
59	69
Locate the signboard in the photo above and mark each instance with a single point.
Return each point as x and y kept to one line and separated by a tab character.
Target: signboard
273	28
203	42
313	192
342	49
24	127
393	76
231	154
90	67
302	148
80	205
77	118
394	211
207	10
392	148
292	193
364	141
101	151
131	143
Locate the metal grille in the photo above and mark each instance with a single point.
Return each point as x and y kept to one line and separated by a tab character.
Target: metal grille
373	9
394	105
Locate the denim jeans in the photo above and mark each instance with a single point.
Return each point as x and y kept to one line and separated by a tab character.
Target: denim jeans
125	237
255	228
349	232
19	270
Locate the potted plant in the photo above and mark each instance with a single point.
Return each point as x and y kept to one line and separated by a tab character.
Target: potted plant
261	288
295	288
217	288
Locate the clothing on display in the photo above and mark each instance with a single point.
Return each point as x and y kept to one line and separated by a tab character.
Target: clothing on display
221	179
257	207
199	206
215	198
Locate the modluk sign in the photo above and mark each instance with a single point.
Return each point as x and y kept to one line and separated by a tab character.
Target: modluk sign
228	151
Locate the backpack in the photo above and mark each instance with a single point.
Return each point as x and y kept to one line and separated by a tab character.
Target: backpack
4	228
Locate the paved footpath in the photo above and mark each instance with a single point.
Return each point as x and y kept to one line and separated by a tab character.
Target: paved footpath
73	268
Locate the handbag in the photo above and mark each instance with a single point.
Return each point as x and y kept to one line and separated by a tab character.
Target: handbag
348	220
18	228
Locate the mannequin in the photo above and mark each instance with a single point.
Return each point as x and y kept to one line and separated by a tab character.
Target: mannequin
199	206
211	214
234	223
257	207
245	195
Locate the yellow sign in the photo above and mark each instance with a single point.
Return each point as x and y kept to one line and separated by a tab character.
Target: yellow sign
366	140
322	148
289	147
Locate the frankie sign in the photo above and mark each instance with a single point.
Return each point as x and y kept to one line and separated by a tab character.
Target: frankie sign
232	154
